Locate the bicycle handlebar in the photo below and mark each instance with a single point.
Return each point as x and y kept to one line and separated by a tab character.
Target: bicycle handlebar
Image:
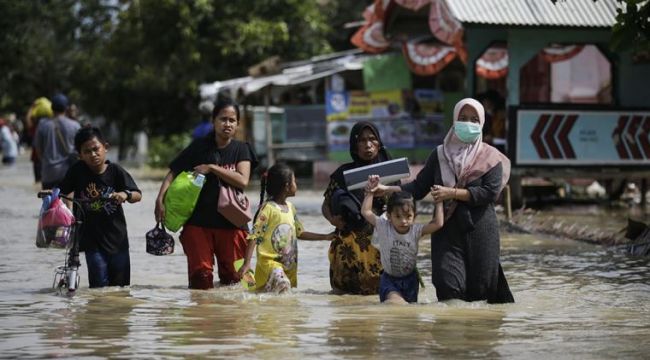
43	193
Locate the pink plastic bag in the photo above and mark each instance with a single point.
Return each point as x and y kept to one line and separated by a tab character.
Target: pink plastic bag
57	215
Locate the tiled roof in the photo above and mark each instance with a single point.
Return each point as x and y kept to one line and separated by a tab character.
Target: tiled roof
578	13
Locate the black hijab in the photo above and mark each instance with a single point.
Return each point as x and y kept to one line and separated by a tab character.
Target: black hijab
382	155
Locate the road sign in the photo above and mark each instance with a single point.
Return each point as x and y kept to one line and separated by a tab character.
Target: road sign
566	137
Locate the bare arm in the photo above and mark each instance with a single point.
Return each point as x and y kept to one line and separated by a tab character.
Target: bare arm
444	193
121	197
238	179
306	235
247	261
366	207
159	211
336	220
383	190
437	221
485	192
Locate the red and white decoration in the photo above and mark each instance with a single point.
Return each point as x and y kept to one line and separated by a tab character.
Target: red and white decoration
424	59
557	53
493	64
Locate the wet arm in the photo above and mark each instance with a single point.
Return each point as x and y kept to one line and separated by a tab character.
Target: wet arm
336	221
159	211
250	248
437	222
420	187
135	197
474	195
366	209
306	235
238	178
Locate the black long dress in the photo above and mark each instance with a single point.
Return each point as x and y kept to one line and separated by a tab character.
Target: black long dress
465	251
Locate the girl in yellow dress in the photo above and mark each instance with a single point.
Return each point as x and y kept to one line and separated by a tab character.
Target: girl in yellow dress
276	230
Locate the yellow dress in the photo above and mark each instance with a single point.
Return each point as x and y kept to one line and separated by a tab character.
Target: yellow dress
276	232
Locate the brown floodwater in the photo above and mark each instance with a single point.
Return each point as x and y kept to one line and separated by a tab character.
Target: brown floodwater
573	300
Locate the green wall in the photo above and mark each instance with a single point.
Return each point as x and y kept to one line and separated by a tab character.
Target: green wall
633	85
631	81
477	40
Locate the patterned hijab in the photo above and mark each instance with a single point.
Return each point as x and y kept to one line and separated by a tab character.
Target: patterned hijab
462	163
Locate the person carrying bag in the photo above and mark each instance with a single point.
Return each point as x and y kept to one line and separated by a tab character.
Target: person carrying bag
72	156
181	198
208	234
54	144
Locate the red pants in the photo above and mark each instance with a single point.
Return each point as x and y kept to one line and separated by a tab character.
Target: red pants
201	245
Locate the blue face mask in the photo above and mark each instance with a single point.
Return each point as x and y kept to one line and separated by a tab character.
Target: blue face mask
467	131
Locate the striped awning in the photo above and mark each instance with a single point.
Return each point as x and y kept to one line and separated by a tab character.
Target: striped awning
573	13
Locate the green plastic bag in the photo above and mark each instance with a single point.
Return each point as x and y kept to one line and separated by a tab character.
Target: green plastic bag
181	198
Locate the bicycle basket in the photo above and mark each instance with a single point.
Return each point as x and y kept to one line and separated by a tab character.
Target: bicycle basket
57	236
159	241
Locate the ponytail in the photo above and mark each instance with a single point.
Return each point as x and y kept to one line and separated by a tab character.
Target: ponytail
263	182
273	183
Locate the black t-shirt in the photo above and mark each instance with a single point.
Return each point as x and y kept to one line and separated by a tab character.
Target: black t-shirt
204	151
104	225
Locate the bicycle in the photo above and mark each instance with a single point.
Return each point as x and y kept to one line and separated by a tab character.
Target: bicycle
66	277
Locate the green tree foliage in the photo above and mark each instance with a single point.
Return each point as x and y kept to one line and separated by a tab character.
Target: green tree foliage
36	40
138	63
632	29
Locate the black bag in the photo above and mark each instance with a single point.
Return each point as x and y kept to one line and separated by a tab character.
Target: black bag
159	241
345	204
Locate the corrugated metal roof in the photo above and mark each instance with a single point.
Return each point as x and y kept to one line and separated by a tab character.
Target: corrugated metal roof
293	73
578	13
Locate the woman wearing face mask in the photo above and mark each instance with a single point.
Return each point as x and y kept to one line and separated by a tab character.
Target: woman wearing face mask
468	175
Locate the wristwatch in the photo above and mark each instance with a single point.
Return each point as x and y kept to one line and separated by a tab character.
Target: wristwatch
128	195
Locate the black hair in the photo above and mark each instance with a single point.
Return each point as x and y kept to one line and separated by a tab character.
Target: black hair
273	182
277	176
223	103
87	133
400	200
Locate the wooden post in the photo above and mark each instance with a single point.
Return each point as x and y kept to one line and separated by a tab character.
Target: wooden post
269	127
508	204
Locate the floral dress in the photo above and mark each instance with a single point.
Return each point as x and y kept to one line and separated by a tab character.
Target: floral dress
355	265
276	232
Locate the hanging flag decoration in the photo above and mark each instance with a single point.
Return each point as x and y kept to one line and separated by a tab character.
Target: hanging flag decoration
493	64
427	59
370	37
555	53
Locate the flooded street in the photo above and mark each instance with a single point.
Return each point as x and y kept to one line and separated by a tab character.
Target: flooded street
573	300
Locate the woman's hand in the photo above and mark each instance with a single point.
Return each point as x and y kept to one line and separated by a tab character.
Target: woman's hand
443	193
159	212
204	168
